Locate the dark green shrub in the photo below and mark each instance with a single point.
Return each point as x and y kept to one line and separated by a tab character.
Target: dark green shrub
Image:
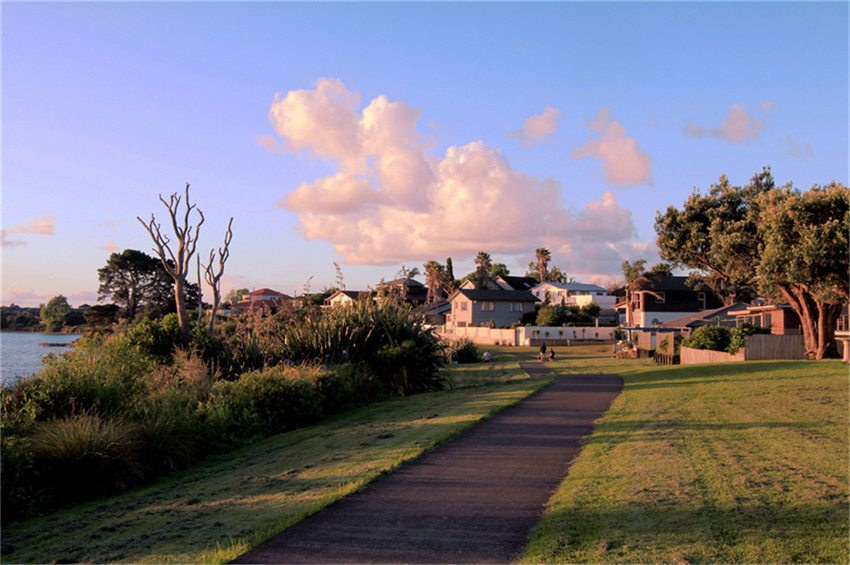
157	338
739	336
464	351
715	338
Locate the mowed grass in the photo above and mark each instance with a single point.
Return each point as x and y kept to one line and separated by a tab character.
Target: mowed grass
218	510
726	463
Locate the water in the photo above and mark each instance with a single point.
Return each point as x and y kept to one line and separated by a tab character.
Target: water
20	354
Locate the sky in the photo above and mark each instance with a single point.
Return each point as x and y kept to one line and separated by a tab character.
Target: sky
380	135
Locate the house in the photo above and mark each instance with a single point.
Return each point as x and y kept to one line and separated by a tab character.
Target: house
413	291
345	298
264	299
503	282
666	298
723	316
436	312
579	294
781	319
483	306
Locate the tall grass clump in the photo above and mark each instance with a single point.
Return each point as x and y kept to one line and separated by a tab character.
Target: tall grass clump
403	354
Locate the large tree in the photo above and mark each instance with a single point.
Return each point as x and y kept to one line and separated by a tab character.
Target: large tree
180	258
53	313
791	246
130	278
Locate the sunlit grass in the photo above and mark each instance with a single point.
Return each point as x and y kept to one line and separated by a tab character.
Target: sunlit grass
218	510
731	463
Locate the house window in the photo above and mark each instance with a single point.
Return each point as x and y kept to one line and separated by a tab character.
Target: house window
701	301
660	298
516	306
464	305
488	306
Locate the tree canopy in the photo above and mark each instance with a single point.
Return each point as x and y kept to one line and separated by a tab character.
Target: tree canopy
789	245
53	313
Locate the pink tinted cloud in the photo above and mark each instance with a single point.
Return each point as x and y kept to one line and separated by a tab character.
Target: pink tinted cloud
538	128
795	150
391	200
42	225
624	162
738	126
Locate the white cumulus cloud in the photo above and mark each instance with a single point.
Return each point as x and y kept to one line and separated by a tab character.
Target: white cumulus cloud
392	200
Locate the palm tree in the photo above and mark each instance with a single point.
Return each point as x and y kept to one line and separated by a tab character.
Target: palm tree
543	258
435	278
483	264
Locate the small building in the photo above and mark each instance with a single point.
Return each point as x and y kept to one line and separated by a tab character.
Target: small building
413	291
722	316
265	299
781	319
483	306
436	312
346	298
580	294
667	298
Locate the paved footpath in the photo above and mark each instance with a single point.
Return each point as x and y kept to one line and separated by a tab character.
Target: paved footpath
471	500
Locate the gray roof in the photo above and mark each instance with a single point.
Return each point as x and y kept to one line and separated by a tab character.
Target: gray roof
487	295
692	320
579	287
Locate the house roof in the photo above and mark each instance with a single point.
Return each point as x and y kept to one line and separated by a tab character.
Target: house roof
673	284
519	283
692	320
265	292
352	294
746	309
400	282
488	295
436	307
576	287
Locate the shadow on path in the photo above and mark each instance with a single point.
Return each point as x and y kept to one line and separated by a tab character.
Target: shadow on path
471	500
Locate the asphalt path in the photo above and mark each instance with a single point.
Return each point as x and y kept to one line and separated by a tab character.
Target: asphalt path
474	499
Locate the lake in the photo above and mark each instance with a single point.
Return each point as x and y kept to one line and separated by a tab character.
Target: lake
20	353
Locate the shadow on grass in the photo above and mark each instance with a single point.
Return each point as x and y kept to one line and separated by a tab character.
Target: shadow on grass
670	530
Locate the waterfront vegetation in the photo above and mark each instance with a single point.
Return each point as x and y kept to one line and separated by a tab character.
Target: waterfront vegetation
732	463
117	412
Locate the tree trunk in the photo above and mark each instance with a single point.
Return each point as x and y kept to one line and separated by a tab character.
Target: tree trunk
828	313
180	302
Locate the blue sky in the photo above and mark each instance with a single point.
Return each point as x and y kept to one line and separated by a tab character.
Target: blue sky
377	135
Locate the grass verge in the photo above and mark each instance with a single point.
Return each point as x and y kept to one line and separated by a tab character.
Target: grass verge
218	510
726	463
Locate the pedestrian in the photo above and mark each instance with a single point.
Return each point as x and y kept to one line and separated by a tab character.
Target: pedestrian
551	355
542	356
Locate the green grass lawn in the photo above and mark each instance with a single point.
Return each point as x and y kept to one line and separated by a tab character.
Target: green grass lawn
727	463
217	510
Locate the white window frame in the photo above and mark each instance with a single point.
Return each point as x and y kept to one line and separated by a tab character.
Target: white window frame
488	306
701	301
464	306
517	306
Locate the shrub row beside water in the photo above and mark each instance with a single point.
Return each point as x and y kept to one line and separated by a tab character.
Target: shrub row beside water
117	412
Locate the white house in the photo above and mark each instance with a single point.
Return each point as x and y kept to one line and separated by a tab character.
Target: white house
579	294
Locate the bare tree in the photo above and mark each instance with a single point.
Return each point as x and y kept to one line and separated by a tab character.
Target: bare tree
186	240
213	277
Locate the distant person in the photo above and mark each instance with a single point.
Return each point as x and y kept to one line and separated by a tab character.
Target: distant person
486	357
542	356
551	355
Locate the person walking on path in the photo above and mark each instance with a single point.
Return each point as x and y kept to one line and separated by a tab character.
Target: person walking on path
542	352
